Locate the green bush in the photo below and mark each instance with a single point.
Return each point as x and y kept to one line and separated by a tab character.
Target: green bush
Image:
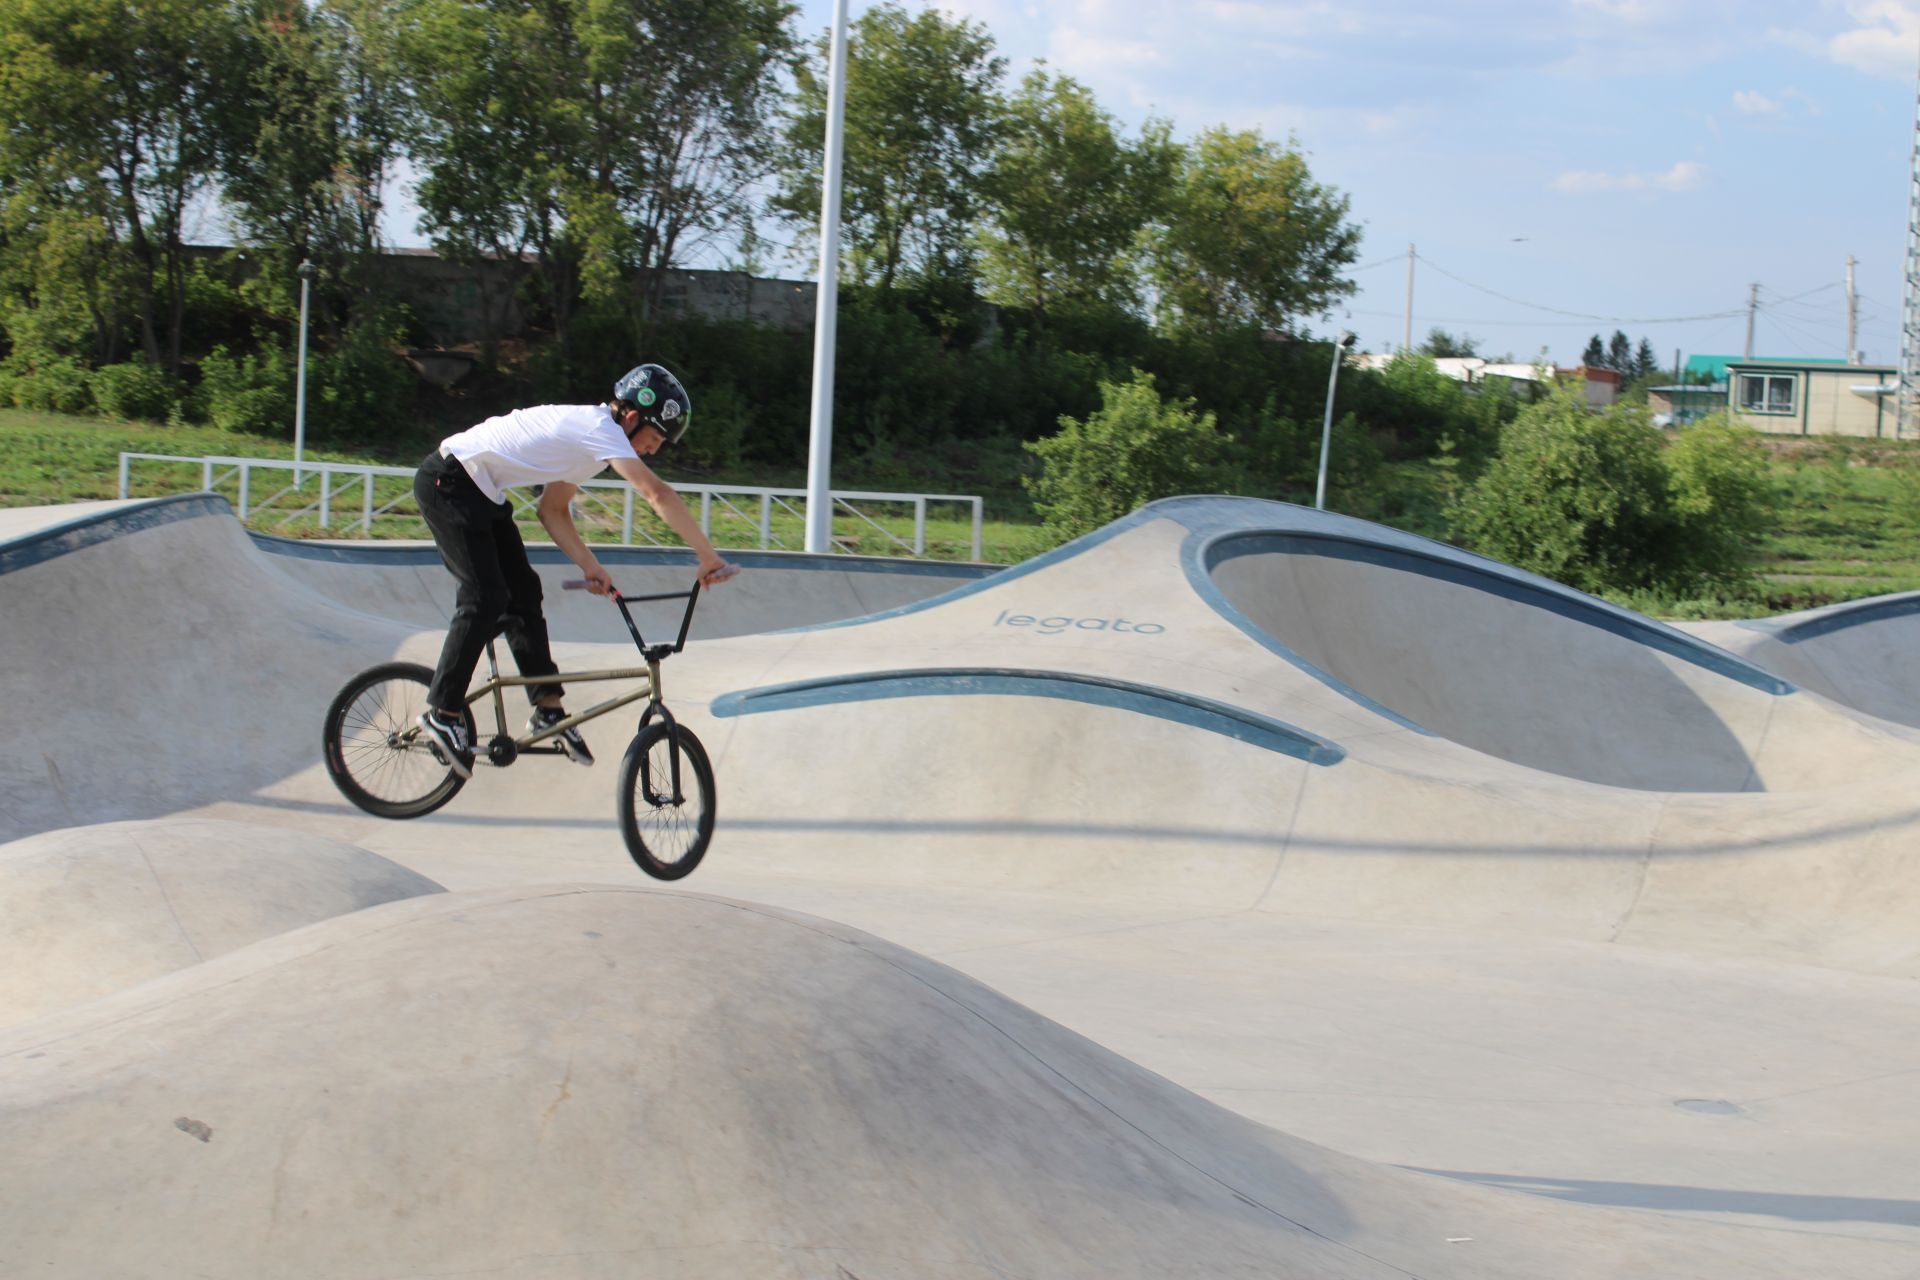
361	391
1723	501
716	431
47	383
1600	502
1580	497
1132	450
252	393
135	389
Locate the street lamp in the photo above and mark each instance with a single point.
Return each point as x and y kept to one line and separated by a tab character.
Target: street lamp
1340	350
300	377
819	538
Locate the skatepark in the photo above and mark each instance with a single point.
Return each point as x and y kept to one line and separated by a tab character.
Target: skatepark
1239	890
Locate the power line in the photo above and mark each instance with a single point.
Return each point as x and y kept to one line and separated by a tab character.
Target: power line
1835	284
1579	315
1530	321
1378	262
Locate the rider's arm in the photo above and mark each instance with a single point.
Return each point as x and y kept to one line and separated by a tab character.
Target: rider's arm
556	517
668	506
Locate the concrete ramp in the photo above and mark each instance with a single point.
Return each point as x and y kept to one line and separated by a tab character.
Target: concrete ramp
597	1082
1519	669
1199	787
1861	653
406	583
176	662
88	911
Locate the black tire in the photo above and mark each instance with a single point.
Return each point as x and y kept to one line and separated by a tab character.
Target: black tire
666	838
375	751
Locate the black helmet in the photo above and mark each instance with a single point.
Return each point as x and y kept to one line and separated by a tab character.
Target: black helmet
662	402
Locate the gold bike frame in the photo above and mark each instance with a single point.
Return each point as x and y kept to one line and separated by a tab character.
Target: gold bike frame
497	683
653	655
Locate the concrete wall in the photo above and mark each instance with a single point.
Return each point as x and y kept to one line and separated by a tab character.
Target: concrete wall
453	301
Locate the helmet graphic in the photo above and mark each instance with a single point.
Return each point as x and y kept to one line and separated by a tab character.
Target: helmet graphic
662	402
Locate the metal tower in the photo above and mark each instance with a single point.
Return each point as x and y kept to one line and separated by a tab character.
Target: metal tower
1907	420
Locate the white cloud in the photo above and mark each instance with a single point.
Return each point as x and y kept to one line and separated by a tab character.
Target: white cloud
1634	12
1750	103
1884	42
1684	176
1286	21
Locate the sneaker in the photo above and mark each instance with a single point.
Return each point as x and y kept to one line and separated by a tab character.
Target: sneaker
570	741
449	741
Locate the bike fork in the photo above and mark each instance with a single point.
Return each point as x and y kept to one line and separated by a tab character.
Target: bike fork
673	754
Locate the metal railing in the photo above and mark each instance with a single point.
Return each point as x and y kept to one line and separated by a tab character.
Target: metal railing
346	499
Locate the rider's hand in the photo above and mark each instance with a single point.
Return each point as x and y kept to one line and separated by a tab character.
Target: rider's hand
716	571
599	581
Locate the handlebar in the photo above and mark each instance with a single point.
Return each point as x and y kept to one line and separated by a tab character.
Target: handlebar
658	651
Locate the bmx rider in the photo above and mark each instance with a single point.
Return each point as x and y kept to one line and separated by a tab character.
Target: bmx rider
461	488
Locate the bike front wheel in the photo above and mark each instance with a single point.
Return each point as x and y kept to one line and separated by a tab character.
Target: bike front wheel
666	801
374	747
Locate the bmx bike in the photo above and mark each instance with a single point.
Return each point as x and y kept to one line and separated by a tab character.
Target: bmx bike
382	760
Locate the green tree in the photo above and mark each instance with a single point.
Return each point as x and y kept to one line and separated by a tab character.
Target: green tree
1440	344
1620	354
114	107
1645	363
1250	237
1069	197
602	137
1595	355
1135	448
307	151
923	117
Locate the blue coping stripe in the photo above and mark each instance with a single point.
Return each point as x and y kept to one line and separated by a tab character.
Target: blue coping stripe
1854	614
1559	600
544	553
85	531
1166	704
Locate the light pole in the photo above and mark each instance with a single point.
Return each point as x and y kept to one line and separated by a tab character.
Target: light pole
827	300
1340	350
300	377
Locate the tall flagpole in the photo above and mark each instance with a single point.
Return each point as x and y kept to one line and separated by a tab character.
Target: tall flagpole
827	300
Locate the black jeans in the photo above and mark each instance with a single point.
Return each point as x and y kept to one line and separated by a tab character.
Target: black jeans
499	591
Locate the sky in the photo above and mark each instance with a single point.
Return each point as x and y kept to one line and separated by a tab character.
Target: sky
1634	162
1561	168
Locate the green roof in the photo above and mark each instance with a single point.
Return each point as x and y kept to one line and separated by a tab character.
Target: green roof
1715	367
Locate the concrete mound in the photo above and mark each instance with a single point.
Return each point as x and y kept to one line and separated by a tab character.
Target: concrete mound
597	1082
93	910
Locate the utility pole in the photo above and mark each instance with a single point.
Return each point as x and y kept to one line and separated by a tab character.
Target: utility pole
1908	398
1406	339
1753	304
819	539
1853	311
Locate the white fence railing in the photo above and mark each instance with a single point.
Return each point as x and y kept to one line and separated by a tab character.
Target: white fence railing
347	498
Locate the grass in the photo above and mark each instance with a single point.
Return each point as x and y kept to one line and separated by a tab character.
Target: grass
48	458
1847	526
1848	512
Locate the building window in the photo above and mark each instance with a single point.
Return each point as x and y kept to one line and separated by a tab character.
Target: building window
1766	393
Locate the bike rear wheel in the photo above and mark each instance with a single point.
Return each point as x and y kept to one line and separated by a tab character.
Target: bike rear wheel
375	750
666	814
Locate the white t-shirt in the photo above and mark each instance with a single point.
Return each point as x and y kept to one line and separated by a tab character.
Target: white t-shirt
546	444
